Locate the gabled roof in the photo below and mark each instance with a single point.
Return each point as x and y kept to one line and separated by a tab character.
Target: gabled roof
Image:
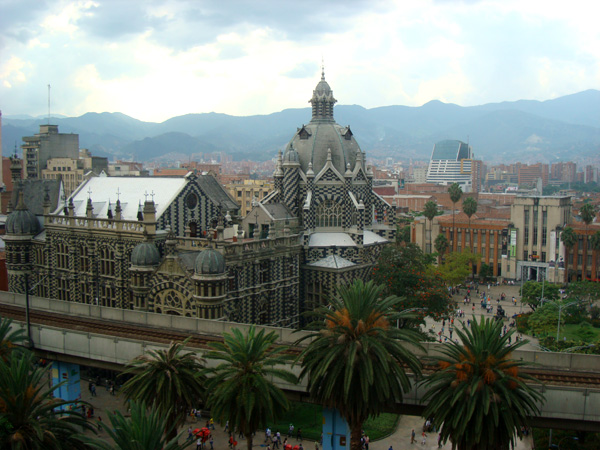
333	262
131	191
34	192
330	240
277	211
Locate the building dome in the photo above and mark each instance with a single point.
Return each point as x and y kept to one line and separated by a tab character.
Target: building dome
313	146
21	220
145	254
312	142
209	262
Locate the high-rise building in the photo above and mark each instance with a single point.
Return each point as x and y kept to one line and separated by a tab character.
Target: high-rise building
529	175
45	145
451	162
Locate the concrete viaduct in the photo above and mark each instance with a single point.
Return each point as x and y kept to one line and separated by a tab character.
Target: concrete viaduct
109	338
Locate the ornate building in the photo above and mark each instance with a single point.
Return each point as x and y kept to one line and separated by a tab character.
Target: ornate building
178	246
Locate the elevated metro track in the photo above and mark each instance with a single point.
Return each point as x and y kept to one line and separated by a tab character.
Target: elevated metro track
110	337
162	336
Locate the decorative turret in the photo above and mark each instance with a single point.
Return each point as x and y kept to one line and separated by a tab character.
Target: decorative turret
145	258
22	221
210	283
322	101
291	179
21	226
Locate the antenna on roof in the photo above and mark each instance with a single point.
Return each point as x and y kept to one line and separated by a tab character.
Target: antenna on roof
48	104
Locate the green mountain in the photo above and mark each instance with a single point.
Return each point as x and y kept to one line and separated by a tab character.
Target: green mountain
560	129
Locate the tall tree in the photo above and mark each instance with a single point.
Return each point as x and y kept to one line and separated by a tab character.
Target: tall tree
31	418
568	238
170	380
430	211
479	397
143	429
356	357
441	245
456	193
10	337
587	213
241	387
458	266
470	208
408	273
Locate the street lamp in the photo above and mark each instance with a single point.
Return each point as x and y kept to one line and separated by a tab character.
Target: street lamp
560	308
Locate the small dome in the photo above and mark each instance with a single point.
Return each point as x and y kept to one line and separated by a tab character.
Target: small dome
21	220
291	155
145	254
209	262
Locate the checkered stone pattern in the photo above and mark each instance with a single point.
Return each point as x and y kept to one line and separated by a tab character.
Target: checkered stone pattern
291	189
178	215
329	280
278	186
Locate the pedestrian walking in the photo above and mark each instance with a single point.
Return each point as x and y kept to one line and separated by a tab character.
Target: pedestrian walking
424	439
93	390
299	434
412	436
190	434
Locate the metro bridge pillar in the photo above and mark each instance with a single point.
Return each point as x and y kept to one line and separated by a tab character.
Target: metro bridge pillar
336	432
69	374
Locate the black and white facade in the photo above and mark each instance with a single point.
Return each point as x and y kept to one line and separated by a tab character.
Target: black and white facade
177	246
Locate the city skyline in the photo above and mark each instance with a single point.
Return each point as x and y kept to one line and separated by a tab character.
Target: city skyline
156	60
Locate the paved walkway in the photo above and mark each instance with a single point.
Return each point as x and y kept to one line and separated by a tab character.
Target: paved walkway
400	440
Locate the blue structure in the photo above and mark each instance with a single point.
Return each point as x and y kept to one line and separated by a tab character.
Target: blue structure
70	375
336	432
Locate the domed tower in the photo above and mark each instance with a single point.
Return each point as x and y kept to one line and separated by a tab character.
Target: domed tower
145	259
291	179
210	283
21	226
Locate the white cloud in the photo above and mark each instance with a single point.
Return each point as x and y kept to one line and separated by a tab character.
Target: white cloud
156	59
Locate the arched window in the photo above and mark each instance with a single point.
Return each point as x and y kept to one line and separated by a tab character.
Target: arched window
329	214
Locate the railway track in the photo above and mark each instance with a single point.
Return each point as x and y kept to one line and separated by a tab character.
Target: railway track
157	335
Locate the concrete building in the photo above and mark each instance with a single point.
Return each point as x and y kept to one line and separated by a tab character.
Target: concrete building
74	171
525	244
530	174
248	192
45	145
452	162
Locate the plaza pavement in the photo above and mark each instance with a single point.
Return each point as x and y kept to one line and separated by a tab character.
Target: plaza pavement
104	402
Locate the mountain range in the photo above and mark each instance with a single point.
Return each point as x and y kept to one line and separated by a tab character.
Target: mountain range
565	128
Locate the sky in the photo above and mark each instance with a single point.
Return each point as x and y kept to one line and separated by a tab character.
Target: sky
153	60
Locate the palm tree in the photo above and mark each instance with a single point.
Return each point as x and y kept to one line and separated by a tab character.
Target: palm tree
568	238
479	396
441	245
587	213
170	380
455	192
143	430
9	337
241	387
470	208
30	416
595	243
355	361
430	211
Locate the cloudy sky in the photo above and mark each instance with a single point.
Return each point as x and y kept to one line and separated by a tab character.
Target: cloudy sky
156	59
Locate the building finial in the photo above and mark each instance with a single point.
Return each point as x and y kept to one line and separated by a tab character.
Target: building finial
322	69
